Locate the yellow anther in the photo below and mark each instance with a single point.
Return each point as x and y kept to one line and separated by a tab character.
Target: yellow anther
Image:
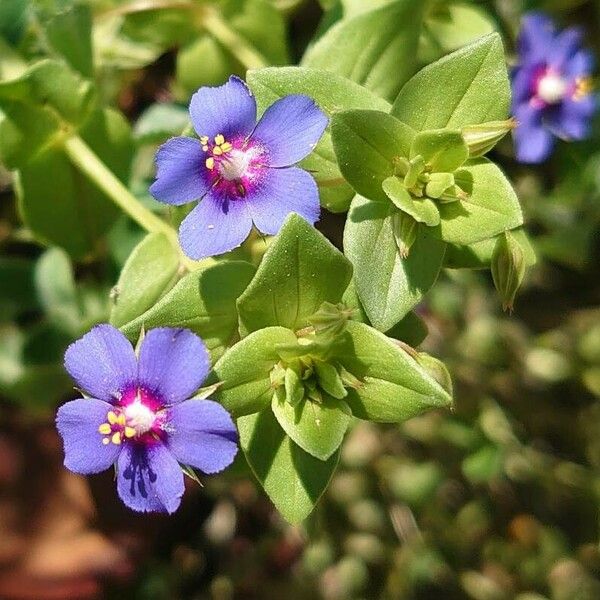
583	87
204	140
205	148
226	147
105	441
105	428
217	151
112	417
116	438
219	139
121	419
210	163
129	432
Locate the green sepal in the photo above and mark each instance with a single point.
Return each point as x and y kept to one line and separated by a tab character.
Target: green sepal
317	427
245	370
508	268
444	150
292	478
404	230
329	379
294	390
439	184
416	166
422	210
437	369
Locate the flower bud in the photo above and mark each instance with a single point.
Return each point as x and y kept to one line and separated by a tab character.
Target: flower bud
508	268
330	320
405	229
482	138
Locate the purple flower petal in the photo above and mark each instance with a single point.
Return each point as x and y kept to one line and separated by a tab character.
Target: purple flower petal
536	36
172	363
571	119
533	141
580	65
181	172
149	478
523	80
280	192
78	422
564	47
229	109
202	435
102	363
290	129
217	225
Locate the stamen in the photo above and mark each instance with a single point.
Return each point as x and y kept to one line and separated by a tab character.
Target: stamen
219	139
116	438
210	163
204	140
129	432
105	441
217	151
226	147
205	148
112	417
105	428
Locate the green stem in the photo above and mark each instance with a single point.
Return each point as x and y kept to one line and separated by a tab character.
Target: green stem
233	41
88	162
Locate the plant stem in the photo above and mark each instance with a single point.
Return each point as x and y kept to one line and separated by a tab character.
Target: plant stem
249	56
88	162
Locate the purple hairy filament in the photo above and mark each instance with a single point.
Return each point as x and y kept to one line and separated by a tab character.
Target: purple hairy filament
139	417
234	166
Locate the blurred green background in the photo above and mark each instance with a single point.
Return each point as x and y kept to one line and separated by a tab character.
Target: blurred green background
497	500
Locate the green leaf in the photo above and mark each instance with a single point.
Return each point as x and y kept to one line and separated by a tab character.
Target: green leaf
70	34
422	210
300	270
13	19
376	49
368	144
444	149
479	255
332	93
245	370
72	212
389	291
491	205
293	479
394	387
450	25
160	121
203	301
456	90
329	379
412	330
55	286
318	428
36	108
150	271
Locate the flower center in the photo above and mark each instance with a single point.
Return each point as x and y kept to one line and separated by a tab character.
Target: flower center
133	419
233	166
552	88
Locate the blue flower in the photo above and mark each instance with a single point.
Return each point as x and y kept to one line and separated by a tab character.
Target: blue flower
241	170
139	417
551	88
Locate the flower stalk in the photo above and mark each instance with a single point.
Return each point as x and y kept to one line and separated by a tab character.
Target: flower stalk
87	161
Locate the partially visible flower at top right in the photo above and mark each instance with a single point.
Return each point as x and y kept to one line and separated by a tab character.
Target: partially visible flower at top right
552	91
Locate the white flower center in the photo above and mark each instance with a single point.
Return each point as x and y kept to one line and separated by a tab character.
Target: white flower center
139	416
552	88
234	165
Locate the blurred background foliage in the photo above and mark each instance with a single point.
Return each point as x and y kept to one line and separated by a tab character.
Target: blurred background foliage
497	500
